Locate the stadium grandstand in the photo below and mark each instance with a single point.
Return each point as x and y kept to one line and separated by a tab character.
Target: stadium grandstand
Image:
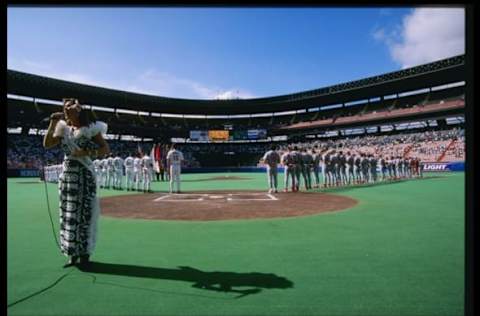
414	112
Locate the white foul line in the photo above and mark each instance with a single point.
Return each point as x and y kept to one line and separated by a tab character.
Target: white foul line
272	197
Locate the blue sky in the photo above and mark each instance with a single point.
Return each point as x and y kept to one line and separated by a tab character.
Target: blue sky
207	53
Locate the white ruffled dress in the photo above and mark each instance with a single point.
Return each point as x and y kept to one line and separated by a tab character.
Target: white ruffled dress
78	203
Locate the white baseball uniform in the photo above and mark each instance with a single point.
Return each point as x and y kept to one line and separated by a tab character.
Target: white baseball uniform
97	165
174	161
147	170
129	174
110	172
137	171
104	165
118	166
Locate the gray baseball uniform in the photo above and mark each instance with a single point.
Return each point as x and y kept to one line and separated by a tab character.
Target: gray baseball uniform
272	159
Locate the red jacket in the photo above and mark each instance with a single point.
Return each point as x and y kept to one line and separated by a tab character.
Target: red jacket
157	153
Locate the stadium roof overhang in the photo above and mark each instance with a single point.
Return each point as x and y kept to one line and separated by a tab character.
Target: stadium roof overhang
429	75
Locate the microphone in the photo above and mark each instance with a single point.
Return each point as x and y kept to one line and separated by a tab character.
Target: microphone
56	115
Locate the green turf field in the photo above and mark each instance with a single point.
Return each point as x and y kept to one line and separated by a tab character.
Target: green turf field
400	251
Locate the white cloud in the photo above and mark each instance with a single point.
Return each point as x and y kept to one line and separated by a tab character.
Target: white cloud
168	85
47	70
149	82
379	34
426	35
234	94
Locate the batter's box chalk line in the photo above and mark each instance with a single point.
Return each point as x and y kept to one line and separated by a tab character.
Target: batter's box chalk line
212	197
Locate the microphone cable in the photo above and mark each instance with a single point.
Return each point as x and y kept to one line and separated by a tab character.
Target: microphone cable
48	206
56	242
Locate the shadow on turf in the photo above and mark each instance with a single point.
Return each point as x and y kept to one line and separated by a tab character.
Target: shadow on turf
213	281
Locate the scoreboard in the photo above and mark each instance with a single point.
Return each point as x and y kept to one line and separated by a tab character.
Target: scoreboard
218	135
225	135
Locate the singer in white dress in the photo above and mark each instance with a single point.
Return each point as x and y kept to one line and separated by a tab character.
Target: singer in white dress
81	140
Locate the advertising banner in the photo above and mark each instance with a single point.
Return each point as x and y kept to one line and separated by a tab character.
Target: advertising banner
443	166
240	135
199	135
257	134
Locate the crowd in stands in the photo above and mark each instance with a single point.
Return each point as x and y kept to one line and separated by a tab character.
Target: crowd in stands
427	146
25	152
212	148
456	152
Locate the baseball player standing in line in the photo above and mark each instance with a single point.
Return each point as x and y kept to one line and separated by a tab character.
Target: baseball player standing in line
350	163
103	168
166	169
383	167
147	172
327	169
287	163
307	164
412	167
408	172
364	163
316	165
110	171
335	162
322	154
400	167
129	173
271	159
406	166
373	168
391	169
152	170
118	166
97	165
358	168
174	163
297	167
137	171
397	168
342	163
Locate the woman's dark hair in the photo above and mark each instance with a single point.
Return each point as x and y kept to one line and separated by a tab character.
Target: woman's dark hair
86	118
